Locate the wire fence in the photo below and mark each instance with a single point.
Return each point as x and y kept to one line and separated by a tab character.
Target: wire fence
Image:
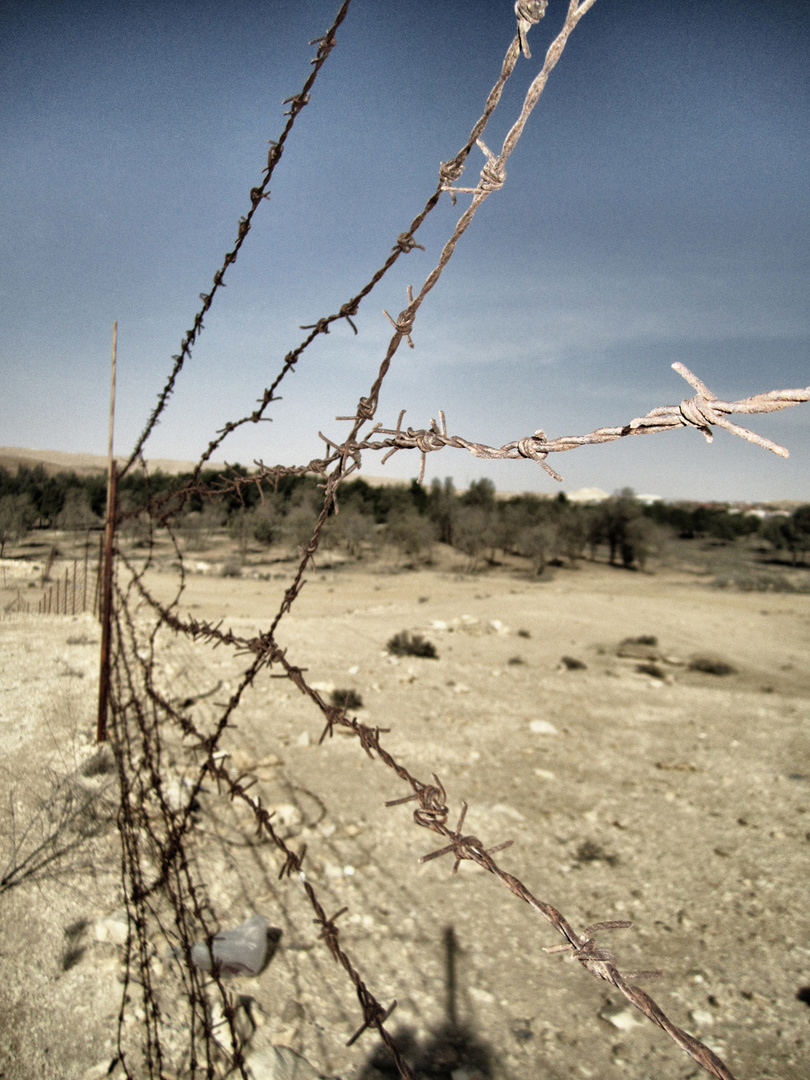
171	749
72	591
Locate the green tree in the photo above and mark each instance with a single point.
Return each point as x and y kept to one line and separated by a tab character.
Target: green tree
76	514
480	493
536	543
352	529
17	515
412	534
571	532
443	508
790	533
620	524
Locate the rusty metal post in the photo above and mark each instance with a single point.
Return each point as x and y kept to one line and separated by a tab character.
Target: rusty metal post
106	592
84	580
99	571
106	609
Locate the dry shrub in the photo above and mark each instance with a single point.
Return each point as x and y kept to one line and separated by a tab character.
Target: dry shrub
406	644
346	699
711	665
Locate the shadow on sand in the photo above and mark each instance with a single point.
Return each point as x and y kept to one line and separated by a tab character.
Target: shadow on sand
452	1050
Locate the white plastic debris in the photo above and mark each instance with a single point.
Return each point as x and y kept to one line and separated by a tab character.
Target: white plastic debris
542	727
241	951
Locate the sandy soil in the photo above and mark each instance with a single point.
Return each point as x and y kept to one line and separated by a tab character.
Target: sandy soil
682	803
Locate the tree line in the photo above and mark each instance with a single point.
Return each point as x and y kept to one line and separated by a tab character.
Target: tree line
411	517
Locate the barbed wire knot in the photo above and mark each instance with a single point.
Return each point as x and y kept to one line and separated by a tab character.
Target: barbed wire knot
586	948
405	243
331	934
296	103
528	13
405	319
320	327
348	310
493	174
375	1015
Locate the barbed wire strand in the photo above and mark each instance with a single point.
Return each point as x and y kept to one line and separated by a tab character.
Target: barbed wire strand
154	833
432	813
405	243
257	195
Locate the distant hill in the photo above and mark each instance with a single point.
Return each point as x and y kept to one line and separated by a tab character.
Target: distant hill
54	461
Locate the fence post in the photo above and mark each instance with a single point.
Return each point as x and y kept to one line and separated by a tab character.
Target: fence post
106	608
97	588
84	579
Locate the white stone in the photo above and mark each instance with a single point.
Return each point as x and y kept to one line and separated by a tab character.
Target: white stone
701	1017
542	727
623	1017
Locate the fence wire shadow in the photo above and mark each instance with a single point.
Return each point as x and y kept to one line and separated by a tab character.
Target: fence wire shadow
174	763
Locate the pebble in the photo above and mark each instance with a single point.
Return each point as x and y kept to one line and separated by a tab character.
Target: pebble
542	727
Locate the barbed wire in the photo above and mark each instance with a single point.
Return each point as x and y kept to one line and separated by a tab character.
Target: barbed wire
432	813
258	194
155	864
703	411
448	171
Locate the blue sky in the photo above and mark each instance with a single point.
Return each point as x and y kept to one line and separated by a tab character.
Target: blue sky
656	209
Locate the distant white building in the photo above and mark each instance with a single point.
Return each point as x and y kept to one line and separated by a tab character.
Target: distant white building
587	496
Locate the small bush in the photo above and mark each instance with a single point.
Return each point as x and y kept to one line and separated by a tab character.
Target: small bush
524	633
651	669
642	639
102	763
405	644
572	664
346	699
753	581
516	660
711	665
231	568
591	851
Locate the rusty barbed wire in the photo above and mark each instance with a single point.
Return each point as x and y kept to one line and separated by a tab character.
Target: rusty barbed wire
448	171
702	411
155	864
432	813
257	195
173	872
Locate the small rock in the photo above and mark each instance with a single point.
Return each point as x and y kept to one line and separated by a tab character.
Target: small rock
243	762
623	1017
114	931
570	663
98	1072
542	727
701	1017
279	1063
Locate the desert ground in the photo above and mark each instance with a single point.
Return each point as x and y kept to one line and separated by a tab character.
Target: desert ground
634	787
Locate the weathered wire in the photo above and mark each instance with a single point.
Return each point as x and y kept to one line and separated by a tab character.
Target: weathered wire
154	833
257	195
